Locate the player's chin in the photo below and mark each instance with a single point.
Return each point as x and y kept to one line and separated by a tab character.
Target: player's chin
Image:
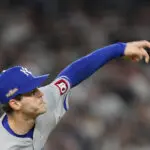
43	109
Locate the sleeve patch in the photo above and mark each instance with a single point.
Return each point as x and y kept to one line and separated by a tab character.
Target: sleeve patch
62	85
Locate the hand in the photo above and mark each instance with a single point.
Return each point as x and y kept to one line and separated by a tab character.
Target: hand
136	50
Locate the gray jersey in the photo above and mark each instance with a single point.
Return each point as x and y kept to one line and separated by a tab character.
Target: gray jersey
56	97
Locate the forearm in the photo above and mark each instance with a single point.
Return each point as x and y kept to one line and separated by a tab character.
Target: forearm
87	65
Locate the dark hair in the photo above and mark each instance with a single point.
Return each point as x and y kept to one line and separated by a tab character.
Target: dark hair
7	108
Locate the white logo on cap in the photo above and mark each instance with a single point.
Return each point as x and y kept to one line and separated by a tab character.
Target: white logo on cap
25	71
11	92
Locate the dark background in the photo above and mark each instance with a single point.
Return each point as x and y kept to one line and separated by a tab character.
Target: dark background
110	110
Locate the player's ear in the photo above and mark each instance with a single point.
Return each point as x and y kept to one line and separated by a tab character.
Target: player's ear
14	104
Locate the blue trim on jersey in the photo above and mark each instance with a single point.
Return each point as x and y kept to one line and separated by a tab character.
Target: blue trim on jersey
7	127
65	104
87	65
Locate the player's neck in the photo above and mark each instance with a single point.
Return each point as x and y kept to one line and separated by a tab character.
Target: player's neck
20	123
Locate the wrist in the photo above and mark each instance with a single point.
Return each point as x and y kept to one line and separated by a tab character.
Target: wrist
122	48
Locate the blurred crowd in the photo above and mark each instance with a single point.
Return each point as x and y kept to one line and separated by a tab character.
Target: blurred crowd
111	109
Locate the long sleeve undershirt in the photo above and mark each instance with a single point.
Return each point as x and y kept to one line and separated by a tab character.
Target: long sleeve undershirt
84	67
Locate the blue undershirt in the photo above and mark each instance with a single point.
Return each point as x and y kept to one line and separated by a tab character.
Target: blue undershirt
87	65
7	127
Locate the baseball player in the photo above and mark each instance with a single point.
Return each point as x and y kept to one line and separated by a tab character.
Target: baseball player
32	111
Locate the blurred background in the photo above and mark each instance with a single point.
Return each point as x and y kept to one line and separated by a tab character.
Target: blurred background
110	110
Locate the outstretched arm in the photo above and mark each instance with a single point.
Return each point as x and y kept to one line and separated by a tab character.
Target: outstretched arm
87	65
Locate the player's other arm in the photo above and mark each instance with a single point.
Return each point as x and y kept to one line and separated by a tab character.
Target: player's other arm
84	67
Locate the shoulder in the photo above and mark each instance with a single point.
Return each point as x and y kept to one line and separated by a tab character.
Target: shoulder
60	86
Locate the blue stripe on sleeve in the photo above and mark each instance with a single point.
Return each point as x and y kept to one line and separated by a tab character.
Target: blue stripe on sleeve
65	104
87	65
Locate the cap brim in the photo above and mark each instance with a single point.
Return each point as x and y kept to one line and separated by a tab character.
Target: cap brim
36	82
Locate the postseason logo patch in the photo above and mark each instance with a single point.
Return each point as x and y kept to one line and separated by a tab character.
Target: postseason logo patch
62	85
11	92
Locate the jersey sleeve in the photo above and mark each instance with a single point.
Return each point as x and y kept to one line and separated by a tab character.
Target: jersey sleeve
61	87
56	97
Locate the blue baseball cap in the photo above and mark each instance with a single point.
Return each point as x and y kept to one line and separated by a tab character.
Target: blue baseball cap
18	80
